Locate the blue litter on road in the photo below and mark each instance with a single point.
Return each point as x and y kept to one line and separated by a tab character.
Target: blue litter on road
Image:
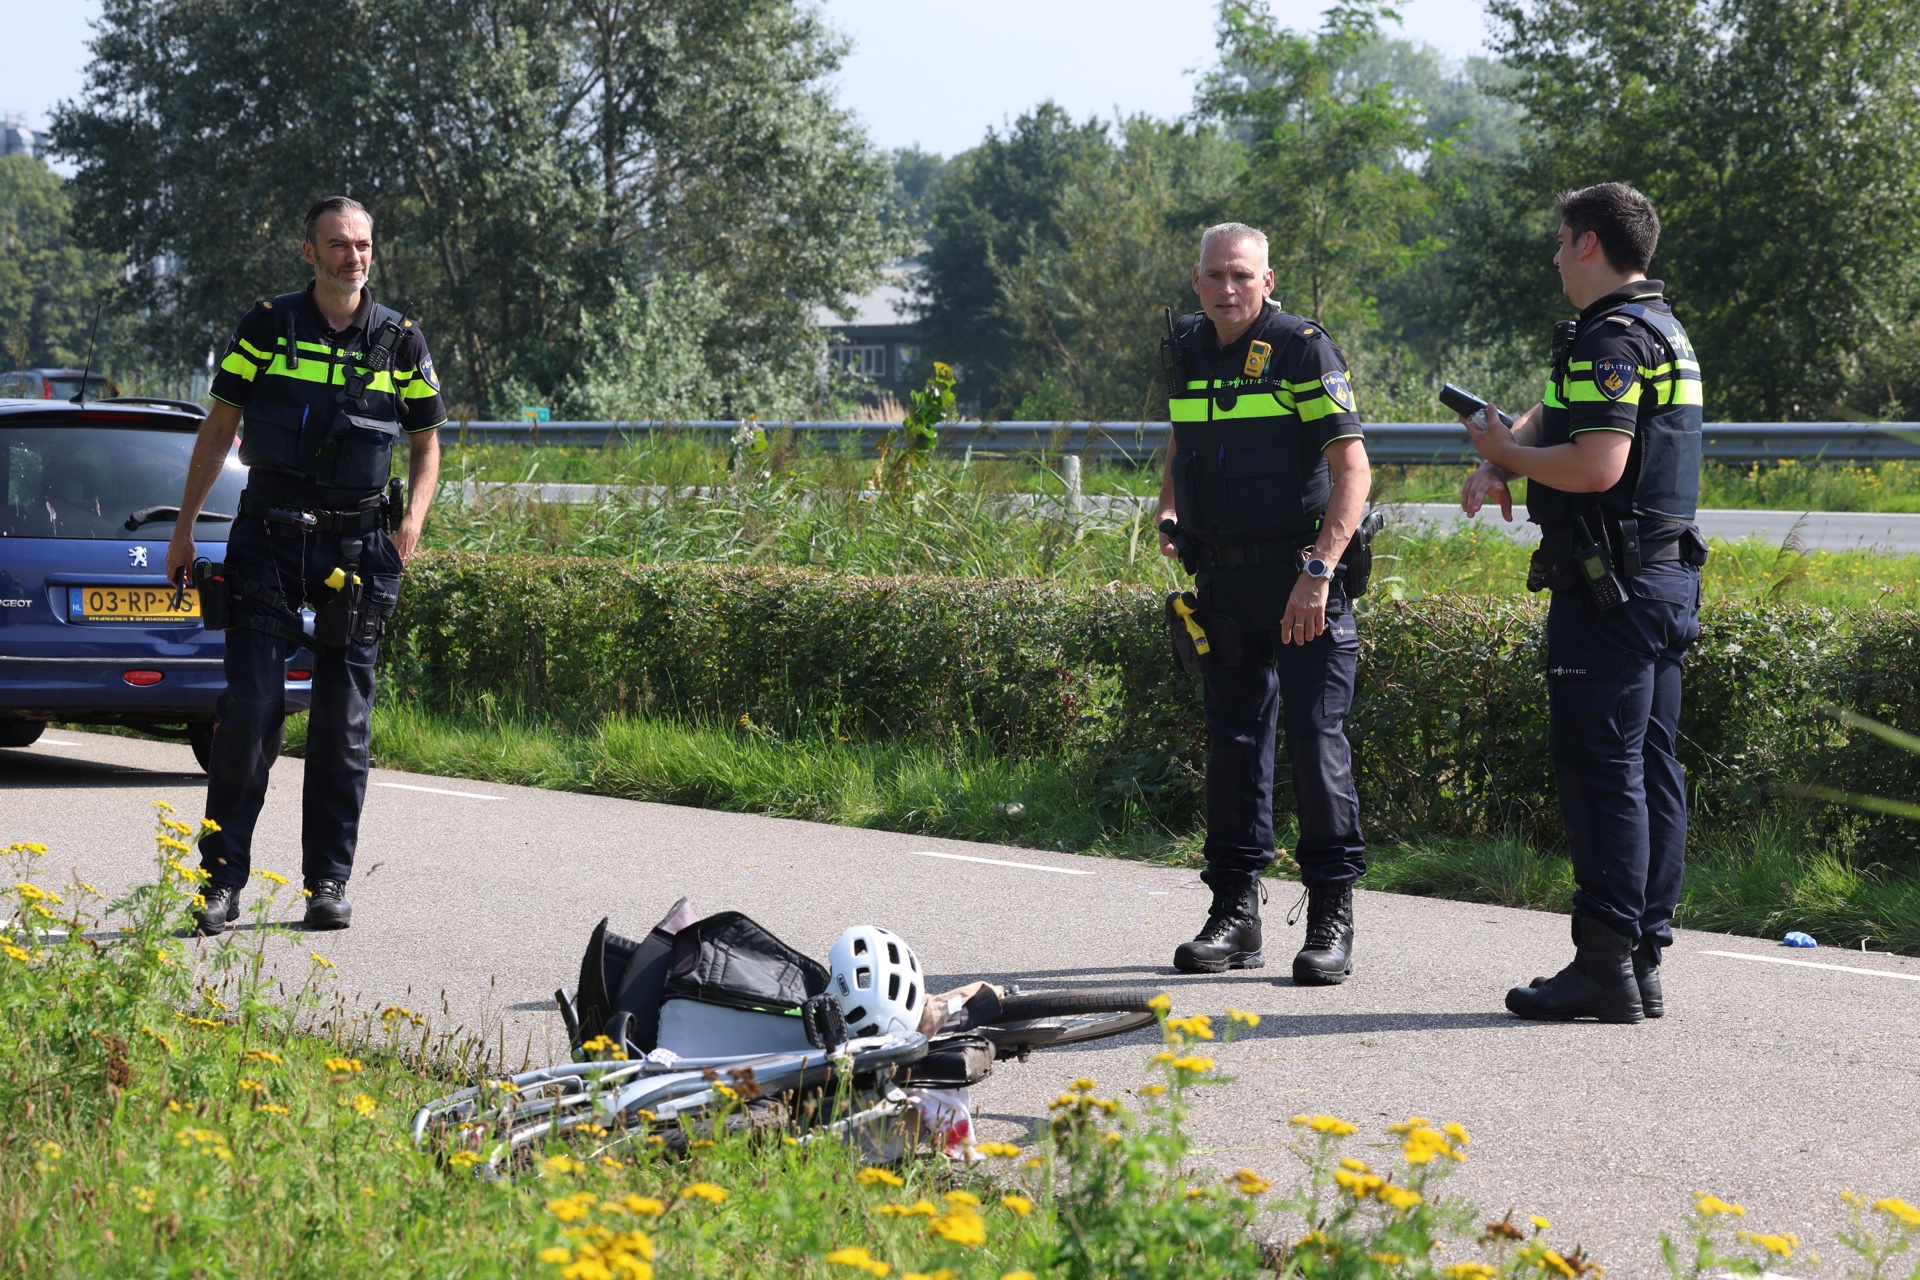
1798	939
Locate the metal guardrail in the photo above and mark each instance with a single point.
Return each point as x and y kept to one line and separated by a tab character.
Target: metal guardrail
1139	442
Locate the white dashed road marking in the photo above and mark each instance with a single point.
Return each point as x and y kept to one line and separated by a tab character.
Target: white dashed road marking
438	791
996	862
1810	964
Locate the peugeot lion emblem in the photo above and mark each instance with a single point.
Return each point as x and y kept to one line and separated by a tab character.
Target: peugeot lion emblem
138	555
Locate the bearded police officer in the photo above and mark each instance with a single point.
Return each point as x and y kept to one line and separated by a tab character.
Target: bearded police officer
1612	461
325	381
1266	480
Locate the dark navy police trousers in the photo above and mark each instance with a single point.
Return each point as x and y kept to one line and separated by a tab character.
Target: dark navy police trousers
1308	689
253	709
1613	682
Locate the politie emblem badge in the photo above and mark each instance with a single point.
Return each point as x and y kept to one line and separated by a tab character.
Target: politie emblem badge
1339	389
1614	377
426	371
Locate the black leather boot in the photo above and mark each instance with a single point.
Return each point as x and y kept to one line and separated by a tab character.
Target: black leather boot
1598	984
1646	971
1230	939
327	905
1326	959
222	909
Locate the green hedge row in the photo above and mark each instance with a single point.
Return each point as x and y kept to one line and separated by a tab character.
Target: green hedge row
1449	727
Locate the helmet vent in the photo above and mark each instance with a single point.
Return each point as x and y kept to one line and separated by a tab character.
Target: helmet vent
863	978
893	953
859	946
913	996
893	986
855	1015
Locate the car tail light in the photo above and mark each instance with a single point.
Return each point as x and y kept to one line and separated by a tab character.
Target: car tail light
298	674
142	678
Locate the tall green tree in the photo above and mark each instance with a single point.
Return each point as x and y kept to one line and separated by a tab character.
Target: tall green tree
1780	140
49	285
996	203
531	163
1086	310
1328	177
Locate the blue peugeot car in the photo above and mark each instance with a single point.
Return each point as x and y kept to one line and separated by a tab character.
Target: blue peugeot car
90	630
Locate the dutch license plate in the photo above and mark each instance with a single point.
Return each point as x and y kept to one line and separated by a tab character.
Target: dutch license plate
130	604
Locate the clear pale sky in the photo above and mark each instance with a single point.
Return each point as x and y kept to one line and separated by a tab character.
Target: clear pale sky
933	74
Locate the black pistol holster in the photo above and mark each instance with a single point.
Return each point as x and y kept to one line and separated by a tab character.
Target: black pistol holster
210	585
1357	560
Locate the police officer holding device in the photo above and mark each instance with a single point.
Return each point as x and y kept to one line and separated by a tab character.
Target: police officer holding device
325	381
1612	461
1266	482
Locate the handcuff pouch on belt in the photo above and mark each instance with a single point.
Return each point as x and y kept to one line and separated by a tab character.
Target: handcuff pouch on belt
1201	641
1356	562
210	585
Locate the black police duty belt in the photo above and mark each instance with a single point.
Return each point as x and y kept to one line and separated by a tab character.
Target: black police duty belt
1246	555
293	519
1634	554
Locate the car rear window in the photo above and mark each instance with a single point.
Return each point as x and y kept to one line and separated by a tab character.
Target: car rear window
68	387
88	481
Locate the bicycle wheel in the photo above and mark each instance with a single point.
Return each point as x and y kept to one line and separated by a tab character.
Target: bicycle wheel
1050	1019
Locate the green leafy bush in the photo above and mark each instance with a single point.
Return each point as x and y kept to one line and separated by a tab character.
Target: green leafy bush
1449	725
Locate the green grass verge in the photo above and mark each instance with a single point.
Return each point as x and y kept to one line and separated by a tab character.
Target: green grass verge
1759	880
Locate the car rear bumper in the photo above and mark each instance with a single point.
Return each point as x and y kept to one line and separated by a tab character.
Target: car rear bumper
97	690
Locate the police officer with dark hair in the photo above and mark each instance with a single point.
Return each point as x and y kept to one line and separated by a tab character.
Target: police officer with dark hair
1265	484
326	381
1612	461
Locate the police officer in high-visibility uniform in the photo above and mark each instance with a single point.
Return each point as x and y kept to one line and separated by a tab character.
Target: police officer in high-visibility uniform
1612	461
1266	481
326	381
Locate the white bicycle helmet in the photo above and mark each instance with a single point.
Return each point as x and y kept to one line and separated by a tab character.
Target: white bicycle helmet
876	979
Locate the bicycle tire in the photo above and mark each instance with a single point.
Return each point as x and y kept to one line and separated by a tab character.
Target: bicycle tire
1055	1019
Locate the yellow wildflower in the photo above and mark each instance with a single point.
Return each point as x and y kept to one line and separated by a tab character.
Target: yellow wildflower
209	826
645	1206
555	1254
1199	1026
253	1086
161	806
1005	1150
918	1209
362	1104
1397	1197
1241	1016
271	877
264	1055
1900	1209
1082	1085
1540	1223
857	1257
275	1109
1453	1129
561	1164
343	1065
17	953
1193	1062
1559	1264
872	1177
961	1197
165	1044
1358	1185
1019	1275
1160	1003
51	1150
1470	1271
1387	1257
572	1208
1410	1124
1782	1244
464	1159
1020	1205
1331	1125
1709	1206
706	1191
960	1225
90	889
1358	1166
1247	1182
321	960
942	371
1151	1090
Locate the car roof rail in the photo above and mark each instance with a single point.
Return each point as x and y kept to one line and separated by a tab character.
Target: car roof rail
185	406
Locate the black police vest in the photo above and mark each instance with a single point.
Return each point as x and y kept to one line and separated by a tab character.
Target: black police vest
1662	479
306	421
1243	470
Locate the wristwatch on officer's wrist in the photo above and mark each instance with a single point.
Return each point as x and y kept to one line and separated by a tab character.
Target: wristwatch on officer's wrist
1314	567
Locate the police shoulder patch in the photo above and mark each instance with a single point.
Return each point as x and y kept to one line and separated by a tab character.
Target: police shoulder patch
426	371
1614	376
1339	390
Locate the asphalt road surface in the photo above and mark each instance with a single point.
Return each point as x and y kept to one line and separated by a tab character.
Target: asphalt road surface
1778	1079
1895	532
